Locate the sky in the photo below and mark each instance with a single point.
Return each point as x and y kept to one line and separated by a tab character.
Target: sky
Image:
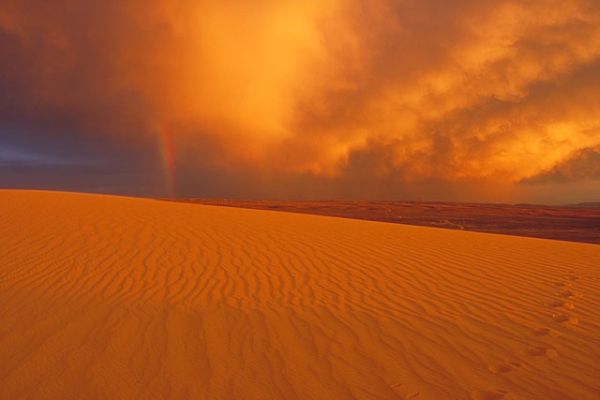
464	100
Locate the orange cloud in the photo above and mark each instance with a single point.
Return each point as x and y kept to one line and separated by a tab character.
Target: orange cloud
459	100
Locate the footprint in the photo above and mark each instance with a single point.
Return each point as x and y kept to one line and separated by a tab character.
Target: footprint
504	368
567	294
490	395
413	395
560	318
562	284
538	351
562	303
572	277
541	332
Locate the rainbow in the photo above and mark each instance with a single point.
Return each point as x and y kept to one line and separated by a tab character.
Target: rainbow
167	152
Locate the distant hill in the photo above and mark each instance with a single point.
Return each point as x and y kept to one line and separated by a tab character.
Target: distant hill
579	222
592	204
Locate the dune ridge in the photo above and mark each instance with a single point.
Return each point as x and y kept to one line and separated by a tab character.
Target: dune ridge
109	297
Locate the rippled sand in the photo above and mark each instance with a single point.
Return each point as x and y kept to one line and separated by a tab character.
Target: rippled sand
120	298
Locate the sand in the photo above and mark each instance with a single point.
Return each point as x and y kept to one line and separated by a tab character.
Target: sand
108	297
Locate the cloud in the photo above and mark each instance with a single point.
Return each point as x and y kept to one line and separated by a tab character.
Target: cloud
582	165
332	98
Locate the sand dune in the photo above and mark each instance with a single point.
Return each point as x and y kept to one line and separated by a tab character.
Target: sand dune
119	298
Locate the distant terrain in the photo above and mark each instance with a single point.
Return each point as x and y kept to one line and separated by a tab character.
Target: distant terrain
576	223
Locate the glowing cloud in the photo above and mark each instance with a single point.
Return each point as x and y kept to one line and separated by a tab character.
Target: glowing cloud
427	99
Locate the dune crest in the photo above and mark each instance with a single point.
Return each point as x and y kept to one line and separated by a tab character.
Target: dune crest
119	298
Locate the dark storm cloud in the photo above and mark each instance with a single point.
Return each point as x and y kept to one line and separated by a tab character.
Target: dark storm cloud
583	165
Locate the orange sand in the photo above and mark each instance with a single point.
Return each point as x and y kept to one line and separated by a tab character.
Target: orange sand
118	298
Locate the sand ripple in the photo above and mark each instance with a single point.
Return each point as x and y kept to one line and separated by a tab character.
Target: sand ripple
118	298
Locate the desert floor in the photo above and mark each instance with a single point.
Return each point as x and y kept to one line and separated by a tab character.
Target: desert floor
576	223
108	297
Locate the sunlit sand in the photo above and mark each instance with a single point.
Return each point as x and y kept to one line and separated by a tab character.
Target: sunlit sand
120	298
